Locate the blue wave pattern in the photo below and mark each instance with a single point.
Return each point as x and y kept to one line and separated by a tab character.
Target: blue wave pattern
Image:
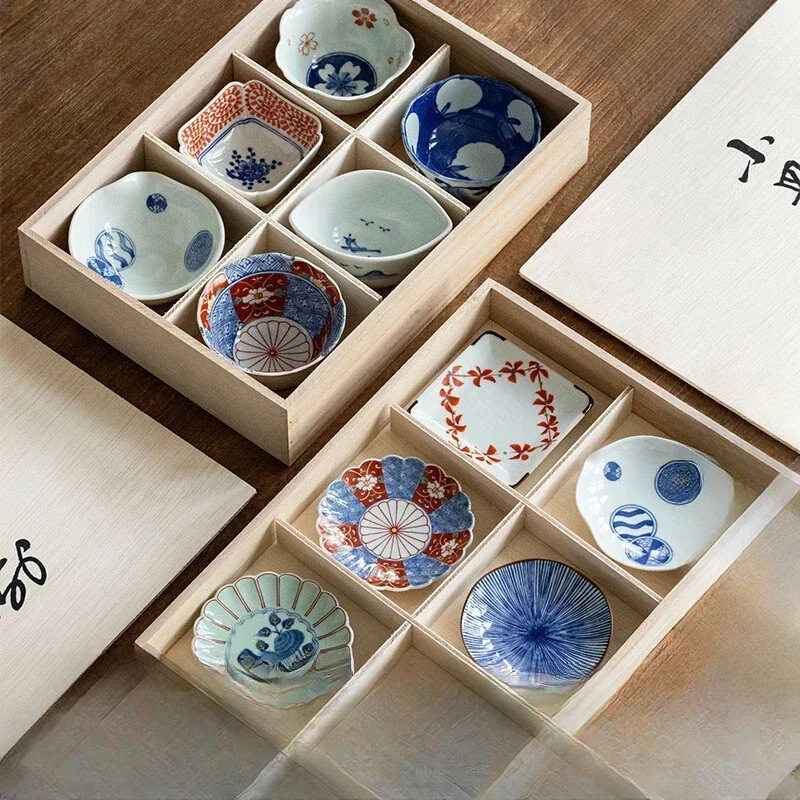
536	624
633	518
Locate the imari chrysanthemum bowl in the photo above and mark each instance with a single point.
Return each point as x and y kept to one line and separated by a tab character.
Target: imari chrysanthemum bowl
536	624
147	234
252	139
275	316
467	133
345	55
376	224
397	523
501	407
653	503
281	640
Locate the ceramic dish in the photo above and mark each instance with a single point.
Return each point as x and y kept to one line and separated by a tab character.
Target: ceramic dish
252	139
467	133
652	503
147	234
281	640
345	55
536	624
397	523
376	224
274	316
501	407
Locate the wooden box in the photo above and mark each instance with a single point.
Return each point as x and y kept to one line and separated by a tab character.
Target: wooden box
415	684
166	341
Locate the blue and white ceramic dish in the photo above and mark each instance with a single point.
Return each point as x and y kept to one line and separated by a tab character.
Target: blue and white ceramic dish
148	235
536	624
397	523
653	503
376	224
281	640
467	133
273	315
345	55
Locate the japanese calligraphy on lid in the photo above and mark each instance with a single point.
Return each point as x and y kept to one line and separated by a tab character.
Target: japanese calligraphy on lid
690	250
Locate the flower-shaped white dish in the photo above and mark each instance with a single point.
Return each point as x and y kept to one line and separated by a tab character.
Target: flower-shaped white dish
252	139
653	503
281	640
501	407
147	234
376	224
344	55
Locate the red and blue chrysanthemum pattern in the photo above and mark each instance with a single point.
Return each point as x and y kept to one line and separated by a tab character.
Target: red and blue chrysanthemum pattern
397	523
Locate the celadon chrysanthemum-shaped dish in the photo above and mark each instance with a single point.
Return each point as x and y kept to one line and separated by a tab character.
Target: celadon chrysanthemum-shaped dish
279	639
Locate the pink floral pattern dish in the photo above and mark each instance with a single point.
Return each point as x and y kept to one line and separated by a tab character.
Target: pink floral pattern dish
501	407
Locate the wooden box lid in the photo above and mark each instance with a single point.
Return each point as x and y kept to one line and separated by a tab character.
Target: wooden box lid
690	250
101	508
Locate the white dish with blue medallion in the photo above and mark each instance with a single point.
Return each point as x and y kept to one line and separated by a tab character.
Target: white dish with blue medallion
345	55
273	315
468	132
536	624
652	503
281	640
397	523
252	139
376	224
148	235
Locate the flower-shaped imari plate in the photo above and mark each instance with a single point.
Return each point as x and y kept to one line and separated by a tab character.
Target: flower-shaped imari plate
281	640
397	523
536	624
501	407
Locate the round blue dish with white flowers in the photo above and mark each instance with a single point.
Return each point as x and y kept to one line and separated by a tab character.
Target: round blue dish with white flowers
536	624
468	132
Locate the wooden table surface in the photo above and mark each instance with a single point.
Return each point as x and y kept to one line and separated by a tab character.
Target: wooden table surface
75	72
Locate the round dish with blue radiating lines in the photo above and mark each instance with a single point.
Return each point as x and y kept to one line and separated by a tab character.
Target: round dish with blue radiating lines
536	624
397	523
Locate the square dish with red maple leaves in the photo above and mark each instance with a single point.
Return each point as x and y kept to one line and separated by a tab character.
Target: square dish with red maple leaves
502	407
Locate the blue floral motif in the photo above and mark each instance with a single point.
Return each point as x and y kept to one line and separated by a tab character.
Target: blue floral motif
105	270
612	471
401	476
156	203
342	75
250	170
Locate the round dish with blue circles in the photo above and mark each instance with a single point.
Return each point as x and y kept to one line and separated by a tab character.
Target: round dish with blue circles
396	523
653	503
468	132
273	315
536	624
148	235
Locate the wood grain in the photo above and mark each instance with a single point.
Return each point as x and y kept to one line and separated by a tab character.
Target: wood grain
110	504
685	219
66	91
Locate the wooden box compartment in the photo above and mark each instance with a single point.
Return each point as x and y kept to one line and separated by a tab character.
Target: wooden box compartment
165	340
536	519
